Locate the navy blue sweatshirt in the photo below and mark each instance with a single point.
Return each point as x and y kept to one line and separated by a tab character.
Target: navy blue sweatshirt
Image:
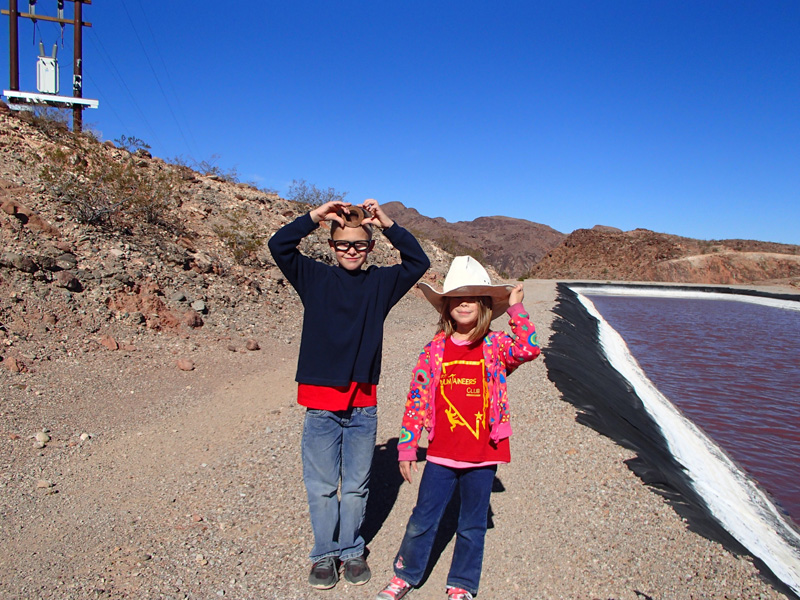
344	312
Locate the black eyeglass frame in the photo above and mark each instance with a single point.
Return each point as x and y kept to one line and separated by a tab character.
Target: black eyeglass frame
345	245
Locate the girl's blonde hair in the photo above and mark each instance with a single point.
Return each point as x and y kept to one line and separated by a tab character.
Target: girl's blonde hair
447	324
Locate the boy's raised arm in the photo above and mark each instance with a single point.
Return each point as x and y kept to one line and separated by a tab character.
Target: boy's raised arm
378	217
283	247
330	211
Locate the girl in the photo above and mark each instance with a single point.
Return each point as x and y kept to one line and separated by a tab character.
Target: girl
458	394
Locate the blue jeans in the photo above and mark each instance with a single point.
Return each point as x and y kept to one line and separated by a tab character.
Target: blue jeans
338	445
435	490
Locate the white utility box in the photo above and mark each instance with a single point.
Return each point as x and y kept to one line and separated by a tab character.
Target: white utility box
47	75
47	71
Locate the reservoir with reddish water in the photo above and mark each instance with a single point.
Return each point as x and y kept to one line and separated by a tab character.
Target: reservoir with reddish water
733	368
705	386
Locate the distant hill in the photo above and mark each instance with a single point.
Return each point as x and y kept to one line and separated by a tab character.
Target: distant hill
511	246
519	248
643	255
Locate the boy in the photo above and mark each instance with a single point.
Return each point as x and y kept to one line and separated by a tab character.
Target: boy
338	370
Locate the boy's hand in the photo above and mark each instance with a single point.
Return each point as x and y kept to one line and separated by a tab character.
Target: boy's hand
327	211
375	214
405	469
517	294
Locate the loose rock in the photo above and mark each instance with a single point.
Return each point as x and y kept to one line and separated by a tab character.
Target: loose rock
108	342
185	364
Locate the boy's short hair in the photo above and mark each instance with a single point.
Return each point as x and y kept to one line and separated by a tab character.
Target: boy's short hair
366	227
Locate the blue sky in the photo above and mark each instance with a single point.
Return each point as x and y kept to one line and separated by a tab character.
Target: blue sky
677	116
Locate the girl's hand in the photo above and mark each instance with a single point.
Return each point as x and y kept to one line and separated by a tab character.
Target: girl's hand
375	214
327	212
405	469
517	294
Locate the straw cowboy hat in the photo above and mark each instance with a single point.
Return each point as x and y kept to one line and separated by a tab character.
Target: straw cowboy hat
467	277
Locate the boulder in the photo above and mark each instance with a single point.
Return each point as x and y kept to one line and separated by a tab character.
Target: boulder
66	279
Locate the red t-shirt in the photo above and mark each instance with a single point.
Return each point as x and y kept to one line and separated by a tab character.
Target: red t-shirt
462	409
341	397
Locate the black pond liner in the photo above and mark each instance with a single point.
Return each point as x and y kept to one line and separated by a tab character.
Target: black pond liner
607	403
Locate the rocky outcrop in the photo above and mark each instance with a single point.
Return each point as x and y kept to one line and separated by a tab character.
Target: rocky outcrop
26	216
643	255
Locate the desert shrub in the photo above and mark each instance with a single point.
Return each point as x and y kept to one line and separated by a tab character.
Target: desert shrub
179	161
262	188
51	121
131	143
210	167
301	191
207	167
240	235
91	133
152	196
106	192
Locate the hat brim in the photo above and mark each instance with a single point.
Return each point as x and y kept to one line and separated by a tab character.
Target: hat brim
498	293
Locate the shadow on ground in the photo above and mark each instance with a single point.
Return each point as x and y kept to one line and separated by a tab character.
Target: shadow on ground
384	485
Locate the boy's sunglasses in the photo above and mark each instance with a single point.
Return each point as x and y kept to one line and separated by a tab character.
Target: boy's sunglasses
345	245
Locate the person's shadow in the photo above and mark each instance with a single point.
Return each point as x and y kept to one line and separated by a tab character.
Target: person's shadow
384	486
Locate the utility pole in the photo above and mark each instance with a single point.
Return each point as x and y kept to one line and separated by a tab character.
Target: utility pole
77	71
76	101
13	30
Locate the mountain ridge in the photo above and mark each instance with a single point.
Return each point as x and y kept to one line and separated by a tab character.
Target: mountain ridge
518	248
508	244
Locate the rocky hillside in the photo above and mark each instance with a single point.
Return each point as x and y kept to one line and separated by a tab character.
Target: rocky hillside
100	246
511	246
643	255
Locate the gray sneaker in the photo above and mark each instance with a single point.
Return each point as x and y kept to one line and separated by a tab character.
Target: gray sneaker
356	571
324	574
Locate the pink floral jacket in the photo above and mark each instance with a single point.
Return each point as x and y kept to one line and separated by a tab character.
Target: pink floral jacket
502	354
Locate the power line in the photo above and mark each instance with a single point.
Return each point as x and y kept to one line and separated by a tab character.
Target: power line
158	81
107	57
160	55
110	105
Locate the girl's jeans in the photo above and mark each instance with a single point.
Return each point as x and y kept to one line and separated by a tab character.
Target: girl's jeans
338	444
435	489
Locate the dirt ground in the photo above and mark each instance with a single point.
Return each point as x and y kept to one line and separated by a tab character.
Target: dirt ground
163	483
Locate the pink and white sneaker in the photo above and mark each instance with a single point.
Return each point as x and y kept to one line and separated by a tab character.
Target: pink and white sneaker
396	589
455	593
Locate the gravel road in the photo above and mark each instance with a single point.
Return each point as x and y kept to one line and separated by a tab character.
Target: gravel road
163	483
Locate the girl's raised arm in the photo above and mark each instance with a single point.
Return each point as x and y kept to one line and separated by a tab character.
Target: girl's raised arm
521	346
